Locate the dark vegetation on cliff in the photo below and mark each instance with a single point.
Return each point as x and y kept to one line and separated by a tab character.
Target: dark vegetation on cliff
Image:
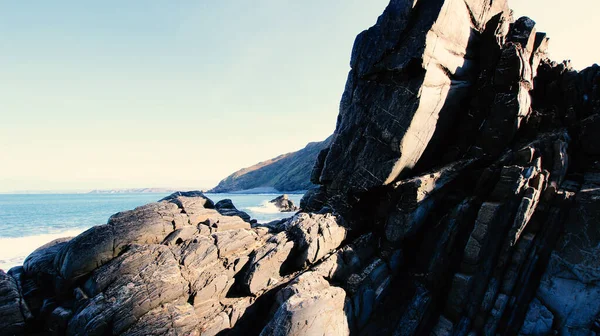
285	173
460	195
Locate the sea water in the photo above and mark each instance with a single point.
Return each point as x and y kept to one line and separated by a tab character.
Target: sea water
29	221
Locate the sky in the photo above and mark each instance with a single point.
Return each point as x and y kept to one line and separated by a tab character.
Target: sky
127	94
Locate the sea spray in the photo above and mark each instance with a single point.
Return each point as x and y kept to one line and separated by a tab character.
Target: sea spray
265	207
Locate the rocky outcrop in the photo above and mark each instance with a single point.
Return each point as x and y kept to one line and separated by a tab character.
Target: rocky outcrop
309	306
459	196
13	311
284	203
285	173
226	208
185	269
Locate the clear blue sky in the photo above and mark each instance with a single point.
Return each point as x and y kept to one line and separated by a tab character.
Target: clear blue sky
119	94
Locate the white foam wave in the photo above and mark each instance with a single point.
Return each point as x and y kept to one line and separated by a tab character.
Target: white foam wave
13	251
265	207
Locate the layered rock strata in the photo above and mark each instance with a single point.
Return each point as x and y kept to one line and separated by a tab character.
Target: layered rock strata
458	197
284	203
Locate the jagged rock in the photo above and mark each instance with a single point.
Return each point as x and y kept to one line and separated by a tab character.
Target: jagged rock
169	319
13	310
443	327
234	241
313	200
148	224
310	307
284	204
414	198
411	321
410	70
224	223
569	288
186	233
128	287
41	261
348	260
266	263
316	235
538	320
217	325
312	236
497	311
190	200
459	293
42	276
368	288
226	208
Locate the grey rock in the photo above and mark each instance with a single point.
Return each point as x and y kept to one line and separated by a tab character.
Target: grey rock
59	320
414	198
148	224
310	307
216	325
316	235
443	327
458	296
226	208
569	288
412	67
494	319
265	265
12	306
123	290
284	203
314	199
411	320
538	321
190	200
168	319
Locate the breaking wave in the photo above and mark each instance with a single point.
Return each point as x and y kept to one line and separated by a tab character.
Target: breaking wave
265	207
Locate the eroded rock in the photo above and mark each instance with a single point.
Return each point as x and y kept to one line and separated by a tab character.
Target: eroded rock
284	203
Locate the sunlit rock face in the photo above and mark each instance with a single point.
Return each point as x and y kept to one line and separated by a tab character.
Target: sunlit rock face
410	75
459	196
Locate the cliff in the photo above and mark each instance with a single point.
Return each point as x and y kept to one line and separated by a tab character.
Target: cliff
459	196
285	173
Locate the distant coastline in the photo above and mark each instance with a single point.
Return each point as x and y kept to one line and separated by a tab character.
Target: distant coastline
137	191
259	190
253	191
100	191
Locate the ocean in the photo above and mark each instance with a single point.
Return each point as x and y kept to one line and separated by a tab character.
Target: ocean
29	221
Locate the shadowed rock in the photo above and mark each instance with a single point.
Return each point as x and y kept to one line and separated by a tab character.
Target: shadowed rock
226	208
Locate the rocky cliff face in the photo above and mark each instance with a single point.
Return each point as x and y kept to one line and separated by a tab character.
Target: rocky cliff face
459	196
285	173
